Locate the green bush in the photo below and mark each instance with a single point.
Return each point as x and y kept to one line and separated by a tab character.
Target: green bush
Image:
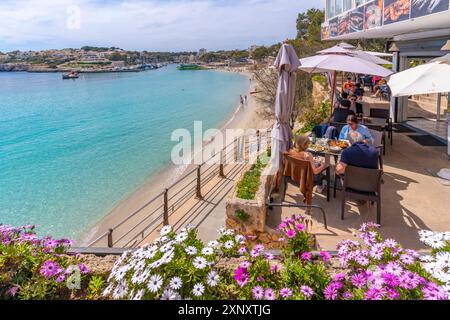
242	216
249	184
314	116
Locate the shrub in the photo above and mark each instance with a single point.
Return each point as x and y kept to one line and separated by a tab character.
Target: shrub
242	216
37	268
248	186
313	116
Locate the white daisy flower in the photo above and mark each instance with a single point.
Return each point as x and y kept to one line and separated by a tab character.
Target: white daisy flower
168	257
198	290
155	283
221	230
165	230
155	264
229	232
442	276
435	242
426	258
181	237
176	283
199	263
229	244
167	247
191	250
214	244
207	251
149	254
240	238
443	259
212	279
187	228
446	235
169	294
139	295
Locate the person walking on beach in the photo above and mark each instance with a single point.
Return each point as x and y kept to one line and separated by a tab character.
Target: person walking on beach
246	100
242	100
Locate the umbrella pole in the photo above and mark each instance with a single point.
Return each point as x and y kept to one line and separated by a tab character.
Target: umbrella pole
333	90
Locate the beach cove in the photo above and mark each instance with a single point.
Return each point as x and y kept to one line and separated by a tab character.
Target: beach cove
73	151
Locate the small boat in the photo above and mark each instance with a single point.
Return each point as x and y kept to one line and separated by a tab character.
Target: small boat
70	75
185	67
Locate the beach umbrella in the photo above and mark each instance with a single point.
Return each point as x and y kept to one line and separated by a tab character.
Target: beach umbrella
287	64
432	77
341	62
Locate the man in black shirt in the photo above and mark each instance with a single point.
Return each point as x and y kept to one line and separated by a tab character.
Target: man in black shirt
341	114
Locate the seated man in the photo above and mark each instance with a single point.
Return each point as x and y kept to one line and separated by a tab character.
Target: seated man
341	114
359	91
343	97
360	154
352	126
347	85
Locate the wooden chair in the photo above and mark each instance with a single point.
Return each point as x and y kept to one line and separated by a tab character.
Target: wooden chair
301	173
362	184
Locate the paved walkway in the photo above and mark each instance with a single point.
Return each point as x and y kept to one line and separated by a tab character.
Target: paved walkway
207	214
412	198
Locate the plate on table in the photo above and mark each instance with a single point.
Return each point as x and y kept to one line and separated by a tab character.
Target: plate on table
335	148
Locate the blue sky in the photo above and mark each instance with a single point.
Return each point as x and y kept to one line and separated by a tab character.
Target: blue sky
154	25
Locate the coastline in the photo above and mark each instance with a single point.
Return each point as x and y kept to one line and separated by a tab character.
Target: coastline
242	117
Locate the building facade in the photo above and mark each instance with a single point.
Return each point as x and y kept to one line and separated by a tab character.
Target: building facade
418	28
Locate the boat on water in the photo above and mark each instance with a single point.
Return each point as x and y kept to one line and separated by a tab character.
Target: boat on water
185	67
70	75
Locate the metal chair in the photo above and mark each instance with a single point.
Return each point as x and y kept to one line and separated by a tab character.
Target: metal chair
384	114
379	137
362	184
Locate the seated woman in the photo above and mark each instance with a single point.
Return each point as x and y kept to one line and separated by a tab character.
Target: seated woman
299	151
353	125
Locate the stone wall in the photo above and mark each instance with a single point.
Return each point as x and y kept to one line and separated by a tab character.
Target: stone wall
248	217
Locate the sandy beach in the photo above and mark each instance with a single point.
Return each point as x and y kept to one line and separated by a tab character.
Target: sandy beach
247	116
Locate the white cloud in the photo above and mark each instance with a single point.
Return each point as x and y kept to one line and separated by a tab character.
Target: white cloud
151	24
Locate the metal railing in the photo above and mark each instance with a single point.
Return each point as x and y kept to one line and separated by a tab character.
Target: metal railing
140	224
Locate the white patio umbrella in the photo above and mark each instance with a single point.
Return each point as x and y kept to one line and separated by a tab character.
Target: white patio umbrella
432	77
356	53
287	64
346	62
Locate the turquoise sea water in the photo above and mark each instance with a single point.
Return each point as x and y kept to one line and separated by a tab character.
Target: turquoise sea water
71	150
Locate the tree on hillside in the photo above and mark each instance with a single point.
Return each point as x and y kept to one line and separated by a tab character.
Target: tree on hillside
260	53
309	24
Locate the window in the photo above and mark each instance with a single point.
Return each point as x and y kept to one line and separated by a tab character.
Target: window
331	9
348	4
338	7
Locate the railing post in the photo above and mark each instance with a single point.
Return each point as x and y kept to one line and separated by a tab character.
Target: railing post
258	142
221	173
110	239
199	183
166	207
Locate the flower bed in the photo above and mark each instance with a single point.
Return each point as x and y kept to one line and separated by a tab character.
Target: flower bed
40	268
233	267
179	266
